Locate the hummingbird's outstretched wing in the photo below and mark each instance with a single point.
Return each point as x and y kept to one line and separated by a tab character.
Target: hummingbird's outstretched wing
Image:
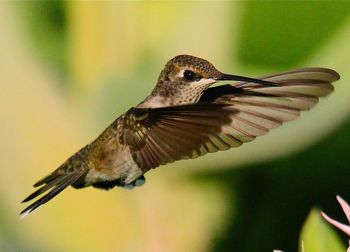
262	107
163	135
297	90
157	136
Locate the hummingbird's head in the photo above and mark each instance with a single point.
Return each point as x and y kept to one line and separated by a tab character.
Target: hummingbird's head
185	77
187	70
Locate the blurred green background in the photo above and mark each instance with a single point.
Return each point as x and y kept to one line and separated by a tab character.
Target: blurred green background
68	69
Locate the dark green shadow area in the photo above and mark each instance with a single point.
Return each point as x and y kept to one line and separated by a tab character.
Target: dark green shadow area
273	199
282	34
46	27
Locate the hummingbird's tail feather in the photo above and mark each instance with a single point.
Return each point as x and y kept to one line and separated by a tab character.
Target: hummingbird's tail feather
47	179
56	182
45	187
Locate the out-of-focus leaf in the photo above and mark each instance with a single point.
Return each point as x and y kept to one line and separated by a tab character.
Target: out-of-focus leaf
45	23
282	34
318	236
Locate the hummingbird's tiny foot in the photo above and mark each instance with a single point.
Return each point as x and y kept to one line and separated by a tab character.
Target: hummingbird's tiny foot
140	181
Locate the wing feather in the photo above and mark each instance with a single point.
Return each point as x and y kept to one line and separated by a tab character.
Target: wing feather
261	108
164	135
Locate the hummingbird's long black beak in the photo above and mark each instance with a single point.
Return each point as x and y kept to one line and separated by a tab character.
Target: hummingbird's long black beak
230	77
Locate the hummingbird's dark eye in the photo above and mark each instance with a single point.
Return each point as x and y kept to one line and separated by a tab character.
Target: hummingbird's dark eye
189	75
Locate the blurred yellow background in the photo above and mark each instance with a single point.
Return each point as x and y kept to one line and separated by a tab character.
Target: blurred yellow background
68	69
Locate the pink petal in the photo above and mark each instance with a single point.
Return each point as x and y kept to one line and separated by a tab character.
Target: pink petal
345	206
342	227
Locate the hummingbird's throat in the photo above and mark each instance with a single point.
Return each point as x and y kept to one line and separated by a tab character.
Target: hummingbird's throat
186	95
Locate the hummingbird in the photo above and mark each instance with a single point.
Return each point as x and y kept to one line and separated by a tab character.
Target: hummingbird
184	118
